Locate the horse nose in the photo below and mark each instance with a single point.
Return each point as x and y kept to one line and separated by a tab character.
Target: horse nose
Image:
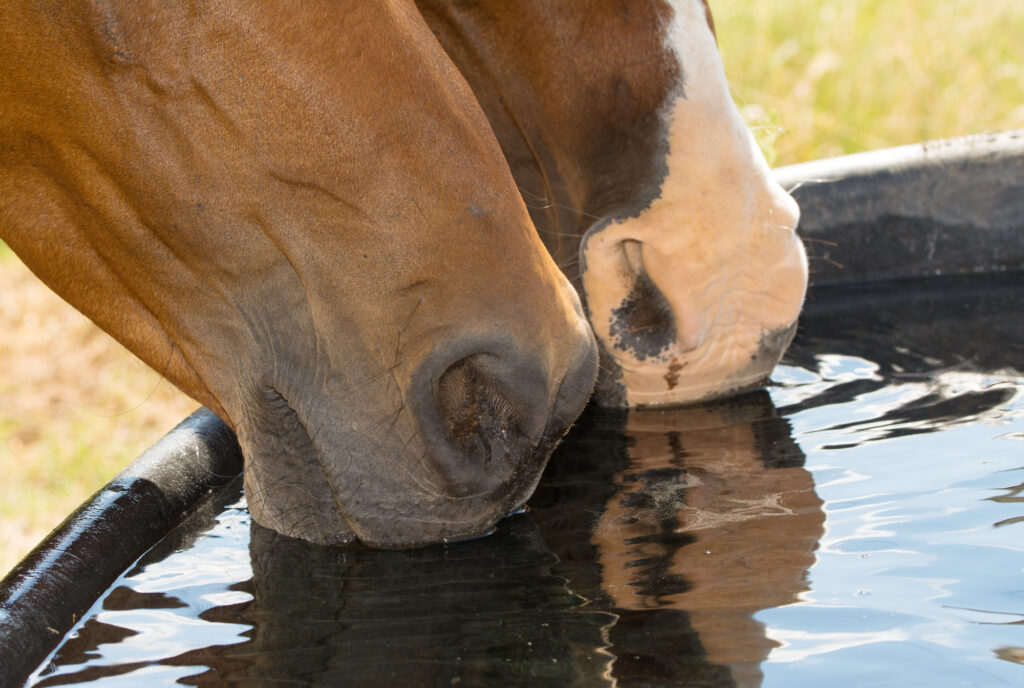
491	415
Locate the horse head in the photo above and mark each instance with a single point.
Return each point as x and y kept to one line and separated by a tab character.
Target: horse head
301	217
643	182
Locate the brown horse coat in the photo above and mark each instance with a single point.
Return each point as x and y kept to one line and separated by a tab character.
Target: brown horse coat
643	182
300	215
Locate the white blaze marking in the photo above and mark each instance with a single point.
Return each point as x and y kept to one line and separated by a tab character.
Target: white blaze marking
718	242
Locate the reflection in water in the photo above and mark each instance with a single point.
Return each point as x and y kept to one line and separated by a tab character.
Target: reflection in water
649	546
1013	495
697	519
434	616
714	516
659	544
644	602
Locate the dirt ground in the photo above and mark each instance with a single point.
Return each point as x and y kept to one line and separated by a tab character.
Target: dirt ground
74	408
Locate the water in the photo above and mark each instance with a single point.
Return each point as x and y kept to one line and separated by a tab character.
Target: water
858	524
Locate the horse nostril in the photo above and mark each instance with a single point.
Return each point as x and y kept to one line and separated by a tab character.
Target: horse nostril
491	419
644	324
476	417
483	418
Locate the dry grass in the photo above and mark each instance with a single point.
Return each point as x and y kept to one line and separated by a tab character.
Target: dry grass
814	77
74	408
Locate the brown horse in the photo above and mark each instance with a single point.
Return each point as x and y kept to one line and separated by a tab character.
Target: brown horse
302	217
643	182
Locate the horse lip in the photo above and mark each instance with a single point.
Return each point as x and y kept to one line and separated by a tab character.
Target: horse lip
478	528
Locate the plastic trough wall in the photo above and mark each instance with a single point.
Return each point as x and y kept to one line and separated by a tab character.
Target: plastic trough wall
946	207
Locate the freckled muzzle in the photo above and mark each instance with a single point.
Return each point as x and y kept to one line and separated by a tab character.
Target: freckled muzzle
695	295
686	316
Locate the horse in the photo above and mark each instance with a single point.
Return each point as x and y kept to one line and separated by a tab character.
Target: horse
644	183
340	227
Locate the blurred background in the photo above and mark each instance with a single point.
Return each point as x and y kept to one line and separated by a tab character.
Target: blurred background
813	78
819	78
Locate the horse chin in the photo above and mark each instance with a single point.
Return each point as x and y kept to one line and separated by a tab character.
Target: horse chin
336	482
285	481
404	503
299	497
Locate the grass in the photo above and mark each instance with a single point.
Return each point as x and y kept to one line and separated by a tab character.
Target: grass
74	408
814	78
818	78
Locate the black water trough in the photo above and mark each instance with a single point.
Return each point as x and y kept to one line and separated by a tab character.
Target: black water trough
945	208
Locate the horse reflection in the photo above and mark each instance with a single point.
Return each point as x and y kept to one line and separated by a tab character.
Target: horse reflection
652	541
480	613
715	517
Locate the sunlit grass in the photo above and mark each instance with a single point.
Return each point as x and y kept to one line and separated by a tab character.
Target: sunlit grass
819	78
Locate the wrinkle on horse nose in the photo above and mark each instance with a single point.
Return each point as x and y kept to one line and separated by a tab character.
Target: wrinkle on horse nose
492	416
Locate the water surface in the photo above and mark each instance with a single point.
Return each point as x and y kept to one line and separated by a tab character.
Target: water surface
860	523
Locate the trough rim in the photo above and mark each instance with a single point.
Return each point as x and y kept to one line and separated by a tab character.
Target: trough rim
974	188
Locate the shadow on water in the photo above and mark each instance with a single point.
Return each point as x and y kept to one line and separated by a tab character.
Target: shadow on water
914	330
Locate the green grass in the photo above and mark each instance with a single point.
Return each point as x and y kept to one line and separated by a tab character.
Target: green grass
818	78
